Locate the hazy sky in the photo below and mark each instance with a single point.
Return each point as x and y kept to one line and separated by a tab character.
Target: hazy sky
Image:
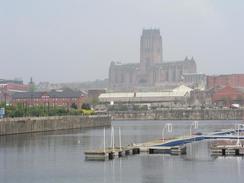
75	40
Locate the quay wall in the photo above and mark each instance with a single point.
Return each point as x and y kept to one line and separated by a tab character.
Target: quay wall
41	124
179	114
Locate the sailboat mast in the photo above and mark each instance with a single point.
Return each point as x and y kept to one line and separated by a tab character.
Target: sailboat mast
119	139
113	137
104	140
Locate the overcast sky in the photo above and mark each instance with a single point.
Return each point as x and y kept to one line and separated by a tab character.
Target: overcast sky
75	40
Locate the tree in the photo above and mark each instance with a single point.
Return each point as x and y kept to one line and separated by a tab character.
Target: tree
74	106
86	106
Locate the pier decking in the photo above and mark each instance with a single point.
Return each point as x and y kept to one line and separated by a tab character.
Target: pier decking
228	150
111	153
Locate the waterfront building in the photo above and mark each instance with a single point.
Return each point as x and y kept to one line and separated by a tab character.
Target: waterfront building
151	71
220	81
64	98
176	96
14	87
8	87
228	96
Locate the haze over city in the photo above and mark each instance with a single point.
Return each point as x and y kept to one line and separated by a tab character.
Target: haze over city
121	91
73	41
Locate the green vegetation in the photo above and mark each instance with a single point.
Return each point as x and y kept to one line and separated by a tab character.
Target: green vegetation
21	110
86	109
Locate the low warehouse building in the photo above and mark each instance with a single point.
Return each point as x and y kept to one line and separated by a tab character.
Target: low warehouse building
177	95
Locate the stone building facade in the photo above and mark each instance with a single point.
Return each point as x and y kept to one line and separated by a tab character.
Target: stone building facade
152	71
195	80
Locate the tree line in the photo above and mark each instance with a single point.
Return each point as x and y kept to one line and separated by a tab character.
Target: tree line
22	110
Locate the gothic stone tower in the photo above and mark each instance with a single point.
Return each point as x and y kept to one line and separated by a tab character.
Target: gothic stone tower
150	47
150	55
151	71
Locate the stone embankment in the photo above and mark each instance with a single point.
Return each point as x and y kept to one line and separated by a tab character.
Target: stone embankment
41	124
179	114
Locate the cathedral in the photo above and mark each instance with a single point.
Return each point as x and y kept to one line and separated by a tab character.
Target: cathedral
152	71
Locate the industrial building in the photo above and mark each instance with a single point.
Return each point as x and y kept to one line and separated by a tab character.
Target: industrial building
177	96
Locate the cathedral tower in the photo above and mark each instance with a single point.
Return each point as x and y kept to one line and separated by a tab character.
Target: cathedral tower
151	47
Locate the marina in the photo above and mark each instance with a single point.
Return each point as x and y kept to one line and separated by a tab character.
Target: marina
174	146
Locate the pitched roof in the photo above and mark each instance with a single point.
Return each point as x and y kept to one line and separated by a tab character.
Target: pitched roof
181	91
64	94
23	95
51	94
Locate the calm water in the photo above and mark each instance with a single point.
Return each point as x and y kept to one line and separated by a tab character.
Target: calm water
58	157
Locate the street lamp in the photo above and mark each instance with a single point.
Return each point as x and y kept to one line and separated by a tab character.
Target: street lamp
195	125
169	128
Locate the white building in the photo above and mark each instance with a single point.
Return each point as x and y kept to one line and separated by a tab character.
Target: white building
177	95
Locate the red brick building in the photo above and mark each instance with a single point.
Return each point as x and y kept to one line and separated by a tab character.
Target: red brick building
228	95
64	98
233	80
14	87
8	88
